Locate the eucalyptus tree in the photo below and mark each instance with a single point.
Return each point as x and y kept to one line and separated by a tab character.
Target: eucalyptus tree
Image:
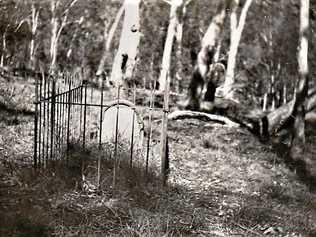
59	19
235	37
108	38
125	59
199	85
175	5
301	88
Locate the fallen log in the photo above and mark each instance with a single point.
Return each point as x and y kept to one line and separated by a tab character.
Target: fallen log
262	124
281	117
258	122
184	114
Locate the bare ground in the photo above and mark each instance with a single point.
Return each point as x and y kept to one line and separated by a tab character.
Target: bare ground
223	182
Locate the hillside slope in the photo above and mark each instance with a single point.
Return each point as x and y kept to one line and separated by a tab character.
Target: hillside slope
222	183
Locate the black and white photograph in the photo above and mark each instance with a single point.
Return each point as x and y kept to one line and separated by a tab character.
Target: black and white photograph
157	118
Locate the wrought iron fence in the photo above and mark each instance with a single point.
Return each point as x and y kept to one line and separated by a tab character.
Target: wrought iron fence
70	111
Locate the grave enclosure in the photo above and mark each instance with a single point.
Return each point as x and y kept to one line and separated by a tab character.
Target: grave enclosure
71	112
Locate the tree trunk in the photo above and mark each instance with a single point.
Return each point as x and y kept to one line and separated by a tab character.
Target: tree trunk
34	20
210	40
109	36
4	48
265	102
181	15
284	98
281	117
175	5
234	44
272	91
54	40
301	89
198	87
73	38
233	18
125	59
56	31
179	34
217	51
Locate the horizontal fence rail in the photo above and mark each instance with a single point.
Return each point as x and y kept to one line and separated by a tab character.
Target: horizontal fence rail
71	113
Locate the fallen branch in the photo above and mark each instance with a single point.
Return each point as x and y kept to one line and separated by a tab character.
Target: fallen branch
279	116
184	114
247	229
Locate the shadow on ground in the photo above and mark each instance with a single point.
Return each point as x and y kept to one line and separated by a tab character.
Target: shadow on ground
223	182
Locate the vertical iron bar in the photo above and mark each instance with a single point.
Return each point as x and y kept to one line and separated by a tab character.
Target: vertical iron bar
151	107
58	101
81	100
62	126
164	130
84	115
101	117
100	136
133	129
68	115
52	125
84	128
44	121
75	112
91	100
36	124
116	136
71	105
47	120
40	123
63	120
76	108
78	113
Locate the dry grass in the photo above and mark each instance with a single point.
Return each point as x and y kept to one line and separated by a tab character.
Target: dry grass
223	182
244	182
230	186
17	95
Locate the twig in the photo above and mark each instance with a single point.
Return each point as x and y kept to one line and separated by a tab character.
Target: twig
247	229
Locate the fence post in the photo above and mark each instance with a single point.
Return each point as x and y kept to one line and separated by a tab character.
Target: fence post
164	130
